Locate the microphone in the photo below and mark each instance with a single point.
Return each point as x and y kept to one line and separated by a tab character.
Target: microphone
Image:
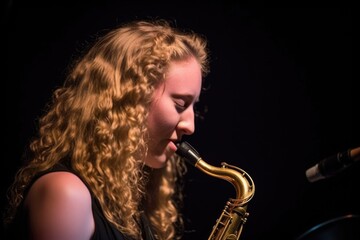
332	165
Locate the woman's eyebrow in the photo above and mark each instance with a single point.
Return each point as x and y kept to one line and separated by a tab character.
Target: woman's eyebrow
186	96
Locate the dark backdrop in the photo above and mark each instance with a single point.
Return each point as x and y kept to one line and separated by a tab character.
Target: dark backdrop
281	99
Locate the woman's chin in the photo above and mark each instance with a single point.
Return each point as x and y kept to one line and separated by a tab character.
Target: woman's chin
156	161
160	160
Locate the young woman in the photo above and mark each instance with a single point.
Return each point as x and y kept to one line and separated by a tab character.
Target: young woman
103	164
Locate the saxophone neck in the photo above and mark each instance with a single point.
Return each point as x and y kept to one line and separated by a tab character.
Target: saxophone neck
242	182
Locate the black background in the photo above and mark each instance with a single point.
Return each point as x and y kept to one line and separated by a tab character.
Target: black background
281	98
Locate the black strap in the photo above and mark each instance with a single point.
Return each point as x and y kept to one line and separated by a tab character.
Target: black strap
147	234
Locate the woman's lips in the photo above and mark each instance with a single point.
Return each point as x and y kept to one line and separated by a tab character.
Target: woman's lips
172	146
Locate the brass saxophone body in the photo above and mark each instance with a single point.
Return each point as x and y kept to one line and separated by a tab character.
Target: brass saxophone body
232	219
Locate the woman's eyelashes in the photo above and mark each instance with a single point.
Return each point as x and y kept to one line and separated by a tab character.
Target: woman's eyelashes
181	104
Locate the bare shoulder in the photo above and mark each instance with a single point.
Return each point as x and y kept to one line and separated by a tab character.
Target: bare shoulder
59	205
64	186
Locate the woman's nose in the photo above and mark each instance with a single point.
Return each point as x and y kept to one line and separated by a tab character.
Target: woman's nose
187	122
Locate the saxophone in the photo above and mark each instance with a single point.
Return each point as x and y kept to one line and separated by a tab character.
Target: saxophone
230	223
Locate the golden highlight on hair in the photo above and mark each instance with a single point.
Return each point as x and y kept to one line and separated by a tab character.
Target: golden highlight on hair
97	122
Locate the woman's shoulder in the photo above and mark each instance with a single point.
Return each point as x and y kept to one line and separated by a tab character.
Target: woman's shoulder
61	202
59	184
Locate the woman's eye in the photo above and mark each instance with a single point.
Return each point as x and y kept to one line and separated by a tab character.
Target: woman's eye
180	104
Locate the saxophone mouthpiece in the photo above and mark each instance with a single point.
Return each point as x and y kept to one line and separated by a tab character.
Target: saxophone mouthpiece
185	150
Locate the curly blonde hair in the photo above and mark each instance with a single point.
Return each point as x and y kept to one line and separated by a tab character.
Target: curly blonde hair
97	121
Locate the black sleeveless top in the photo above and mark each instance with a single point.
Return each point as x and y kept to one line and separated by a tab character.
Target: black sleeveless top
104	230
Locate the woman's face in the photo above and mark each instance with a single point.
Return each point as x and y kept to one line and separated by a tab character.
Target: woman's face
171	113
